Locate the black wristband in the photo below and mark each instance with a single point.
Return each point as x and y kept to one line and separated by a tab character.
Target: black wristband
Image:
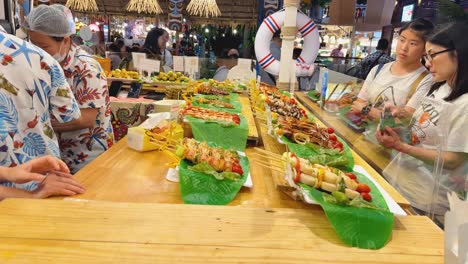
366	109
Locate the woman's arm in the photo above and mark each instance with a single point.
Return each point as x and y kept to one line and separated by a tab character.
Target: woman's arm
56	184
390	139
8	192
87	120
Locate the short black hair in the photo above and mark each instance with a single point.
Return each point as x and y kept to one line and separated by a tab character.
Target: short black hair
224	55
450	36
114	48
277	34
382	44
296	53
422	27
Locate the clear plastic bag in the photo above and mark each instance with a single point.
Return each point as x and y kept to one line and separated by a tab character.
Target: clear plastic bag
426	183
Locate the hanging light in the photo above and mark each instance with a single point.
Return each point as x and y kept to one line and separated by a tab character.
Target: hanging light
144	6
82	5
206	8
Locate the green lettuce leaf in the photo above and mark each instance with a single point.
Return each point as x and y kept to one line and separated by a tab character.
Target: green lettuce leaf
207	169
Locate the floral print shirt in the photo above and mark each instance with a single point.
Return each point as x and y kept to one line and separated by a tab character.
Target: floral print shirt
33	89
89	85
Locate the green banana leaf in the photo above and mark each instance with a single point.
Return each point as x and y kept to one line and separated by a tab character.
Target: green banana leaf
219	135
314	95
233	99
306	151
201	188
358	227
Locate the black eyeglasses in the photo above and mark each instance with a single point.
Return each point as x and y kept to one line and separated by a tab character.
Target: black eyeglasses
430	57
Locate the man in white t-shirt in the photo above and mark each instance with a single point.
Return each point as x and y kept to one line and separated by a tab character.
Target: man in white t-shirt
401	83
384	88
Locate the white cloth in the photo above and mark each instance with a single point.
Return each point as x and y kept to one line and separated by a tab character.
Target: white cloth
115	59
435	123
387	88
168	62
221	74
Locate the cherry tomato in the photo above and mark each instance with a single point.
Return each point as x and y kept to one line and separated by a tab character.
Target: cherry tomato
352	176
236	119
236	168
330	130
303	112
332	137
7	58
338	145
366	196
363	188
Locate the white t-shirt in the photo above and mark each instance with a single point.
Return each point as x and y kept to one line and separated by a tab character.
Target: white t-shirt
435	123
387	88
221	74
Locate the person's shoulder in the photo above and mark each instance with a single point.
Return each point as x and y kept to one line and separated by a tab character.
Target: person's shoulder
387	58
462	101
21	46
84	58
385	67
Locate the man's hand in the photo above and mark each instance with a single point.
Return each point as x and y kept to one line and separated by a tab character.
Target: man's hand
357	106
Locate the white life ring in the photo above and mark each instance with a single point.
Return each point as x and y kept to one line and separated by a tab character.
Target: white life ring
308	29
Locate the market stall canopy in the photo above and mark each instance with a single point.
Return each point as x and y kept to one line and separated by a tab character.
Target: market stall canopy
232	11
378	14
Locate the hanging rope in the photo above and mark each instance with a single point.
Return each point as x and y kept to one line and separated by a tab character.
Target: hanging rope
144	6
82	5
204	8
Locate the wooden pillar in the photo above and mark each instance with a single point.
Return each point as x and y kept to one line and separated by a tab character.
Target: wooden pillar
288	35
246	52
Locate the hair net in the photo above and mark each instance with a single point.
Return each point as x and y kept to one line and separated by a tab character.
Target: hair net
54	20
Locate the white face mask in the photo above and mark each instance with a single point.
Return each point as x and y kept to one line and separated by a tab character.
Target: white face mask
58	56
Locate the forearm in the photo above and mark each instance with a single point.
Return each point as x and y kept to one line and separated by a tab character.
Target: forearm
451	159
3	173
87	120
69	126
8	192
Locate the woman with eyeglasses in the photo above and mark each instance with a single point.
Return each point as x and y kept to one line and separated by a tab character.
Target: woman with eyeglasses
439	125
401	83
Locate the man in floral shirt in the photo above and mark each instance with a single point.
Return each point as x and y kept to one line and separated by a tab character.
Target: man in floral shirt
50	28
33	90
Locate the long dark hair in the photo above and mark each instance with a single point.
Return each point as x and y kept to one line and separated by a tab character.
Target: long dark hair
422	27
151	45
452	37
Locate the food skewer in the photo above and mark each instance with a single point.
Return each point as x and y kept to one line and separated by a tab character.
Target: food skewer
326	178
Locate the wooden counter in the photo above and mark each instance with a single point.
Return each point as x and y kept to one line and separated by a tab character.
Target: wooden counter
124	175
247	113
38	231
373	154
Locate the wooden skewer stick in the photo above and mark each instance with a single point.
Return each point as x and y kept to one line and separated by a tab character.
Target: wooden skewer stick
270	154
273	161
266	165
